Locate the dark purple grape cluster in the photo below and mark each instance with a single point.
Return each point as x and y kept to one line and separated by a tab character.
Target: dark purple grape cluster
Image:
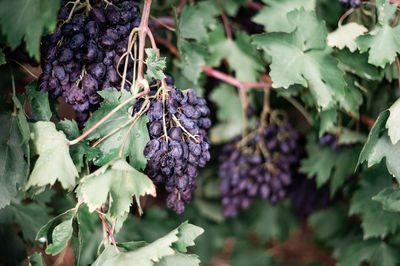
81	57
262	163
178	144
306	197
332	140
352	3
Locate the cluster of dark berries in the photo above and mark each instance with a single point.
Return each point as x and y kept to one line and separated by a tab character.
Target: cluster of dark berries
262	163
332	141
307	197
81	57
178	144
352	3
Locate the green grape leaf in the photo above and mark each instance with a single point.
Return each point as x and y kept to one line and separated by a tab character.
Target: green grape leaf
191	24
280	218
376	222
352	98
383	42
31	217
389	198
208	12
110	147
345	36
116	183
329	223
155	65
2	58
14	148
239	52
192	58
54	162
39	101
326	164
231	7
230	117
250	255
179	259
373	137
384	148
36	259
348	136
13	167
301	57
187	234
61	236
357	64
273	16
79	150
28	20
148	254
376	252
393	122
328	120
57	232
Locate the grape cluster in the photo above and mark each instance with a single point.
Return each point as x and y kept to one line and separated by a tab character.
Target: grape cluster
306	197
352	3
332	141
262	163
178	144
80	58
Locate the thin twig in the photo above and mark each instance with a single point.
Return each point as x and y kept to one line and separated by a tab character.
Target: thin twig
225	21
344	16
233	81
398	69
106	117
180	6
169	46
162	23
255	6
24	68
300	108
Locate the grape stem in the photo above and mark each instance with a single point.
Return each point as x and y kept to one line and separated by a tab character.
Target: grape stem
398	69
225	21
110	232
106	117
169	46
241	85
184	129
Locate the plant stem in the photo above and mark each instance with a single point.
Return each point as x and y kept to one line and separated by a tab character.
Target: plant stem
101	121
398	69
14	113
300	108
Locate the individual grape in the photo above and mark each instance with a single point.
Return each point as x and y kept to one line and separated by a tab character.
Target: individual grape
352	3
175	155
258	165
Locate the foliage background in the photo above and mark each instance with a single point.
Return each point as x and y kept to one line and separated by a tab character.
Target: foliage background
344	79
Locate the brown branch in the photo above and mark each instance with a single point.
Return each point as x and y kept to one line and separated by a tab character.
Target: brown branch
180	6
366	120
225	21
169	25
398	69
255	6
233	81
169	46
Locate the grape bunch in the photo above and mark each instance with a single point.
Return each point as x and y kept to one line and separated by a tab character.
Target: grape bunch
178	144
81	57
261	163
332	141
352	3
306	197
